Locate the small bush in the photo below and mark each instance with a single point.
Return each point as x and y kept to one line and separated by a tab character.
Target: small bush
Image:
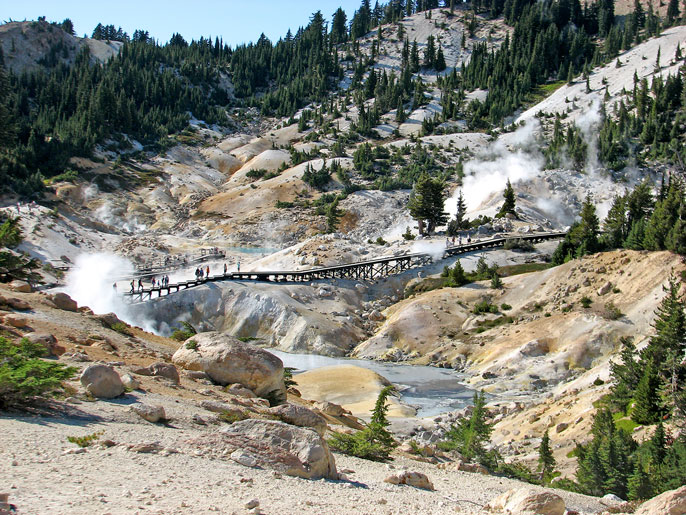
380	241
505	307
85	441
121	328
288	377
230	417
484	307
24	375
586	302
191	345
407	235
612	312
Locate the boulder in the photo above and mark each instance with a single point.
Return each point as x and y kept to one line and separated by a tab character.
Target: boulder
416	479
331	409
160	369
525	501
149	412
227	360
290	450
604	289
18	304
47	340
16	320
240	391
108	320
130	382
20	286
534	348
300	416
671	502
63	301
376	316
102	381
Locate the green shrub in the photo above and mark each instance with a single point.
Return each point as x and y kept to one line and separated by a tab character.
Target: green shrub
184	332
121	328
24	375
612	312
374	442
484	307
86	440
230	417
288	377
407	235
191	345
380	241
505	306
586	302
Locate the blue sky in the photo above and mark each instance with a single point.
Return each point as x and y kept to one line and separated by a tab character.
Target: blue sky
236	21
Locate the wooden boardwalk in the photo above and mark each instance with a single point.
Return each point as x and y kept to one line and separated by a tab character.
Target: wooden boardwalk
362	270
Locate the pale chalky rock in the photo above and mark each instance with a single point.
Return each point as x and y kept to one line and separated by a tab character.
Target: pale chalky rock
525	501
300	416
415	479
63	301
149	412
227	360
275	445
240	391
671	502
102	381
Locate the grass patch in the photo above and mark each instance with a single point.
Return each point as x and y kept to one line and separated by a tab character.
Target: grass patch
624	422
86	440
485	325
121	328
524	268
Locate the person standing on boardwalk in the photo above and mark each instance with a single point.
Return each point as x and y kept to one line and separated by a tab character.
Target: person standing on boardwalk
225	268
140	283
207	272
133	284
238	266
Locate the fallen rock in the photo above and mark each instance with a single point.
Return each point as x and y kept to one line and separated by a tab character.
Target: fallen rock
270	444
671	502
63	301
149	412
416	479
16	320
20	286
524	501
604	289
102	381
376	316
160	369
146	447
130	382
240	390
18	304
46	340
227	360
108	320
331	409
300	416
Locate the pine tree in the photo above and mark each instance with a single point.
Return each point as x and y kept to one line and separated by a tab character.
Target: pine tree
639	484
508	207
646	408
672	11
440	60
426	203
457	275
333	216
546	460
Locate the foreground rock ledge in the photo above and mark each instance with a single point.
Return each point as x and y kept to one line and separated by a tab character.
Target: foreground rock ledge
227	360
291	450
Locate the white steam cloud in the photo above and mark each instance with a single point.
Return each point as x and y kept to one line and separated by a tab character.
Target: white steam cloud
488	174
589	124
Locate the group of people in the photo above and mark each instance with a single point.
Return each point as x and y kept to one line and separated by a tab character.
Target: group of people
30	205
201	273
451	242
162	282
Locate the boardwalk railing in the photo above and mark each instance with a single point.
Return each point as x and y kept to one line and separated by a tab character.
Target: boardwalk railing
361	270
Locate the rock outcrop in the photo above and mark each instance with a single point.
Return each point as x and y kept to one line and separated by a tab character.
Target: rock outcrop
227	360
300	416
415	479
672	502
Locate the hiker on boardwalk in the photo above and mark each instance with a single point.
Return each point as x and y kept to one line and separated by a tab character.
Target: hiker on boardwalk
114	287
133	285
225	268
140	283
207	272
238	266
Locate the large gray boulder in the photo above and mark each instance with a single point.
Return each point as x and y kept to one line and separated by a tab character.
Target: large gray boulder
275	445
671	502
63	301
102	381
227	360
